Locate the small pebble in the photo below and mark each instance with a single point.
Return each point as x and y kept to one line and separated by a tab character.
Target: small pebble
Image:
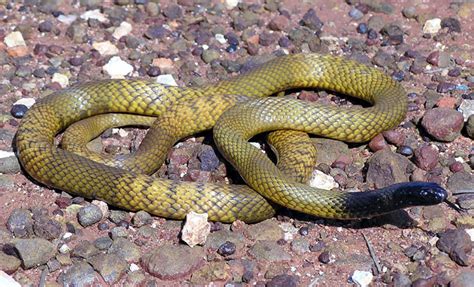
362	28
304	231
356	14
405	150
227	248
324	257
89	215
18	111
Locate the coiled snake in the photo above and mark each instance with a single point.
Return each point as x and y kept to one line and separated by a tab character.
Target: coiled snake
239	116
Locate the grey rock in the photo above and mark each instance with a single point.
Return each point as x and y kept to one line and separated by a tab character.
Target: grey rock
212	272
300	246
79	274
141	218
210	55
376	23
20	223
118	215
269	251
265	230
47	228
443	124
9	164
379	6
110	266
173	11
461	182
89	215
34	252
103	243
85	249
208	158
77	32
135	278
118	231
6	182
8	263
216	239
470	126
53	265
386	168
125	249
466	201
457	244
166	262
463	279
409	12
329	150
401	280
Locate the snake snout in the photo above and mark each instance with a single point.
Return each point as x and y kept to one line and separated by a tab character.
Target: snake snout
426	193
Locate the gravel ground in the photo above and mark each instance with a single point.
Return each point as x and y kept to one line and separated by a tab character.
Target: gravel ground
49	238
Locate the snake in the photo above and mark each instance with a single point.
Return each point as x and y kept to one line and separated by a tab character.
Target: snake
236	109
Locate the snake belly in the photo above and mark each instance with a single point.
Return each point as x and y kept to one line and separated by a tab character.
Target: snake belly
73	173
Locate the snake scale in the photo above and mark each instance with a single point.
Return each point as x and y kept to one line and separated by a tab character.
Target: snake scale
239	109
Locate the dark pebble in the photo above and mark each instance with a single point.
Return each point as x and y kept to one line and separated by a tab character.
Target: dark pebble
457	244
445	87
227	248
452	24
76	61
40	49
372	34
231	48
304	231
18	111
39	73
77	200
311	20
324	257
283	280
281	241
398	76
284	42
247	276
153	71
232	39
405	150
208	158
70	228
362	28
48	229
123	223
156	32
456	72
103	243
45	26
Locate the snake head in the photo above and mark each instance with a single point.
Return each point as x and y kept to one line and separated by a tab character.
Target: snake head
419	193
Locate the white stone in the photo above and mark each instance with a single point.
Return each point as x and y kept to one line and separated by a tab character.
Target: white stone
5	154
64	249
466	108
116	68
220	38
7	280
105	48
67	19
231	4
432	26
362	278
124	29
14	39
134	267
323	181
94	14
67	235
61	79
28	102
166	79
195	229
470	232
289	230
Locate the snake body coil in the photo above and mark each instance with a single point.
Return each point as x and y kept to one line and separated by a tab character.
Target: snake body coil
134	191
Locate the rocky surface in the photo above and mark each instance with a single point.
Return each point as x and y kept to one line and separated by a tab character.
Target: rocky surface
50	238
